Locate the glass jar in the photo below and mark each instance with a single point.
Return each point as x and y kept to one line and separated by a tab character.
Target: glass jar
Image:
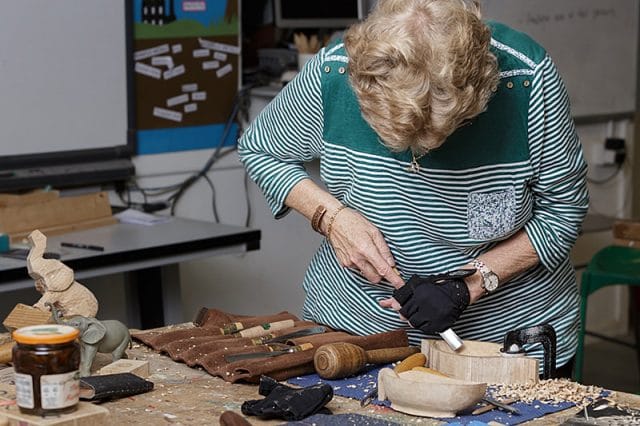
46	359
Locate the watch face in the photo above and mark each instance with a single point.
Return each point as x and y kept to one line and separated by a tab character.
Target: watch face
490	282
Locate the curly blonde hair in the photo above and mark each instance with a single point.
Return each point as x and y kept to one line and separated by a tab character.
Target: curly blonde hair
420	69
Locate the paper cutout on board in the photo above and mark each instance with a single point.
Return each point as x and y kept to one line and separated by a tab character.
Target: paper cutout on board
183	50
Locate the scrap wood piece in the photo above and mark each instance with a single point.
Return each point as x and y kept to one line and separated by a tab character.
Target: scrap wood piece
57	215
87	414
33	197
134	366
24	315
626	229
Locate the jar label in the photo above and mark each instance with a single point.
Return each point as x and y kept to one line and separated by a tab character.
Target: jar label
59	390
24	390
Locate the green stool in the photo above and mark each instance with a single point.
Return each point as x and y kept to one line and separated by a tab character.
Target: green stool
611	265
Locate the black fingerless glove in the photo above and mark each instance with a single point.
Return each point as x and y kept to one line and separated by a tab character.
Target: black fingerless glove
286	402
434	303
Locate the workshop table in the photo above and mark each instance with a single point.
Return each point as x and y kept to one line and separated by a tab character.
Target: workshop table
190	396
149	256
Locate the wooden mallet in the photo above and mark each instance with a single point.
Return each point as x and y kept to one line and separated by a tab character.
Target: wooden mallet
342	359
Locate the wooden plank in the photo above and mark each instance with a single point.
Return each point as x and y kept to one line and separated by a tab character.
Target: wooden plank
87	414
480	362
33	197
58	212
626	229
138	367
626	243
70	227
24	315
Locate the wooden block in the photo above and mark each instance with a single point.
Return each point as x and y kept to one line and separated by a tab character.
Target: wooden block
138	367
626	243
6	351
626	229
33	197
87	414
58	213
479	362
24	315
70	227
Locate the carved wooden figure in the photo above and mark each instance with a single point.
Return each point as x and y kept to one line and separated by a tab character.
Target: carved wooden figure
56	282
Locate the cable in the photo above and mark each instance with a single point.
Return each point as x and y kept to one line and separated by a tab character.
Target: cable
213	198
247	221
188	183
608	178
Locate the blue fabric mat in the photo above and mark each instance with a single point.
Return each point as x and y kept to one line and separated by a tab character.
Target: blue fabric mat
357	387
341	420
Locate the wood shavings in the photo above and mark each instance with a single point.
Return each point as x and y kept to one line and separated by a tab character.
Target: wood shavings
552	391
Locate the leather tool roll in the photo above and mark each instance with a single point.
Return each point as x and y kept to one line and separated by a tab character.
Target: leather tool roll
204	346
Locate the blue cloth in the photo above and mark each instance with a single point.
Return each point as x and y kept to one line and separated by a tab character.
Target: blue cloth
357	387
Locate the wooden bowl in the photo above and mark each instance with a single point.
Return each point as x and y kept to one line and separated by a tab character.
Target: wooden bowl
424	394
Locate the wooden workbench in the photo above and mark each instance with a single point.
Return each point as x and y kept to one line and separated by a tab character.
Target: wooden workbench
188	396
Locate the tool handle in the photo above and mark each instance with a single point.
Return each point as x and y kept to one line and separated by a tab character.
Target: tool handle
5	352
261	330
382	356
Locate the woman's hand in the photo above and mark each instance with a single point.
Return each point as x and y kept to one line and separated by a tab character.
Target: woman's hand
360	245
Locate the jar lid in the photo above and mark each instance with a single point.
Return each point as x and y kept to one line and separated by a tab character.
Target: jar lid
45	333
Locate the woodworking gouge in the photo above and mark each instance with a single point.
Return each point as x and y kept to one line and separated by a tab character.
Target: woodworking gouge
501	405
252	355
270	338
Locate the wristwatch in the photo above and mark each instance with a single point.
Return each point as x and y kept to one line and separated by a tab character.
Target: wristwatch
490	280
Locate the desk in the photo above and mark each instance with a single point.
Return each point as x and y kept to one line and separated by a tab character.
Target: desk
188	396
148	255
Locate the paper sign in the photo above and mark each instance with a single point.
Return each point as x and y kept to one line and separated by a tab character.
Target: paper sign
200	53
148	53
176	48
166	61
167	114
192	87
224	70
220	56
194	6
210	65
190	108
235	50
174	72
177	100
199	96
148	70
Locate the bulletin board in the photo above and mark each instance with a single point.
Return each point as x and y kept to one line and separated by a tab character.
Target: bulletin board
186	59
594	44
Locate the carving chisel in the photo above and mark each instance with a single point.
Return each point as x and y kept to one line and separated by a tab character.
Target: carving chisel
501	405
252	355
270	338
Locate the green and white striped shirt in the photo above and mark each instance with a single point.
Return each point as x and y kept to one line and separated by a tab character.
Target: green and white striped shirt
517	165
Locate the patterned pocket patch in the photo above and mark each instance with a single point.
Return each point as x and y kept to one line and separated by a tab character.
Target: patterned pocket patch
491	214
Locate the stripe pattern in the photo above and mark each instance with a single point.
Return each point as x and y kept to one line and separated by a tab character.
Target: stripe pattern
425	216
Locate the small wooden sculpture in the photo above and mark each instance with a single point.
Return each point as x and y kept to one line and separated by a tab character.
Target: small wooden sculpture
56	282
339	360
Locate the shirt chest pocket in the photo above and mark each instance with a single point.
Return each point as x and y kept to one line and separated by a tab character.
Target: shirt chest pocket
491	215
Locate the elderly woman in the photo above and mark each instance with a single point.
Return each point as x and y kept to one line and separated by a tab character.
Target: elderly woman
445	143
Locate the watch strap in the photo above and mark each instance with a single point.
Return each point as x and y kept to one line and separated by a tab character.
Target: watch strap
110	386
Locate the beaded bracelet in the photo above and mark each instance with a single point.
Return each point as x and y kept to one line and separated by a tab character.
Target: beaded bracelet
333	218
317	218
